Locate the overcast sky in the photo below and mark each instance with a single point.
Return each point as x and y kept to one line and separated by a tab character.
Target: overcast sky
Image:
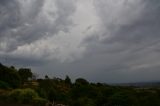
99	40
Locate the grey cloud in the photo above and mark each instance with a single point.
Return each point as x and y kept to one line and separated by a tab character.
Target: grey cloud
125	48
128	44
8	12
22	25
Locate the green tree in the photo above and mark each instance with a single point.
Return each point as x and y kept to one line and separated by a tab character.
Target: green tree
10	76
46	87
68	80
25	74
81	81
46	77
121	98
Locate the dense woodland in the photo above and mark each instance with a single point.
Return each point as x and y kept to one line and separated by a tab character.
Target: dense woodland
20	87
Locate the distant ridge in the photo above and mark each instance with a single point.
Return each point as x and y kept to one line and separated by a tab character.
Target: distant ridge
140	84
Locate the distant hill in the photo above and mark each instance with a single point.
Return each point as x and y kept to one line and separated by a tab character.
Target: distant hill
140	84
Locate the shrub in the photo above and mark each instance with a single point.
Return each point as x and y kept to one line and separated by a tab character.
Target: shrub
39	101
3	96
24	96
28	95
15	96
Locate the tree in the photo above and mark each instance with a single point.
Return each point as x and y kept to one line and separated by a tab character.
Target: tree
122	98
25	74
81	81
46	77
68	80
10	76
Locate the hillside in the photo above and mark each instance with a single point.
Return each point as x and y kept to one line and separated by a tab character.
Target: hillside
20	87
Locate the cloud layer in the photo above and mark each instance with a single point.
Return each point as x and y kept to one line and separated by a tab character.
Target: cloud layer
104	40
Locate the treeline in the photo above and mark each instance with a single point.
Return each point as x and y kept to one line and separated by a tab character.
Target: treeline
10	77
19	86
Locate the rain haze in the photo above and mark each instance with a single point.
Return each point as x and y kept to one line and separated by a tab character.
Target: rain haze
109	41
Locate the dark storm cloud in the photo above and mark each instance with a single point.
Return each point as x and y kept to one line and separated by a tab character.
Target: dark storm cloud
23	22
13	31
8	12
128	47
142	32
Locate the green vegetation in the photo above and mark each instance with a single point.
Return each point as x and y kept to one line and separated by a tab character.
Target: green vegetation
18	88
22	95
4	85
10	76
25	74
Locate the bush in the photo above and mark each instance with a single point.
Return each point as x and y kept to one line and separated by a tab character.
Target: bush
24	96
15	96
3	96
39	101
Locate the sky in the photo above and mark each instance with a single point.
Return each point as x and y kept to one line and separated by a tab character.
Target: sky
110	41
